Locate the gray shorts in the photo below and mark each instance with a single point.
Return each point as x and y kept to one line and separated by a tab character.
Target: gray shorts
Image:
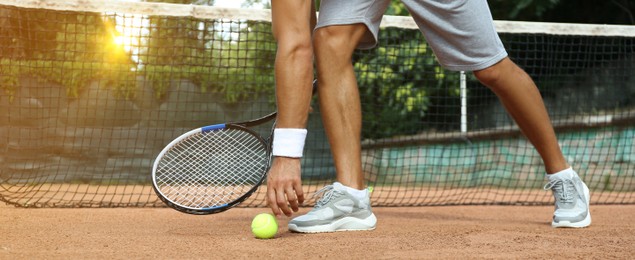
460	32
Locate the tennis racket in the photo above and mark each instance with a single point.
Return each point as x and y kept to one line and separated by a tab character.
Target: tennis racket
213	168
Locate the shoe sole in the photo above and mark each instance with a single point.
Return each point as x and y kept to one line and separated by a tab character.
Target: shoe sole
580	224
343	224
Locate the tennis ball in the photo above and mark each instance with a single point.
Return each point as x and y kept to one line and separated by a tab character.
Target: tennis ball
264	226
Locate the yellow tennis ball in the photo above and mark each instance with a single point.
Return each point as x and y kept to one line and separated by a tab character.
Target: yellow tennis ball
264	226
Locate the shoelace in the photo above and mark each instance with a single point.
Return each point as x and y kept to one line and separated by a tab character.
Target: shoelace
328	192
563	188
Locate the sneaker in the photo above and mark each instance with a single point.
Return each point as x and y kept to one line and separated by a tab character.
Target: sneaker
572	200
336	210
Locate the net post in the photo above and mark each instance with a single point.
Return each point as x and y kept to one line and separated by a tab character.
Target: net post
463	94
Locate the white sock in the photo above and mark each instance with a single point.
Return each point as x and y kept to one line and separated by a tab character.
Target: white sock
359	194
565	174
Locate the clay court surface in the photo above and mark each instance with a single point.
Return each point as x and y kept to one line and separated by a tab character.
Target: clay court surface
455	232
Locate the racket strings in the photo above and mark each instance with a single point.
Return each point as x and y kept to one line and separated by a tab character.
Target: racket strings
212	169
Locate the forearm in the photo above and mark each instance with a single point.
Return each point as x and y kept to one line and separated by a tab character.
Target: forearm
294	76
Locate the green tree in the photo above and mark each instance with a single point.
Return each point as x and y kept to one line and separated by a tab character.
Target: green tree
230	57
400	81
70	48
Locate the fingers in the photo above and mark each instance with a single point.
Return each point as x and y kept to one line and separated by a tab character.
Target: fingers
284	187
282	203
271	201
299	193
292	199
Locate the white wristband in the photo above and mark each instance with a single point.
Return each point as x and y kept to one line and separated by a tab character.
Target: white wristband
288	142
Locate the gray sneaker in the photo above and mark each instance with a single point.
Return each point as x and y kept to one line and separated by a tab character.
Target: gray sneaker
572	201
336	210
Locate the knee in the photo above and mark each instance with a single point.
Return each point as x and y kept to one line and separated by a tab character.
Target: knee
337	41
297	46
494	74
488	76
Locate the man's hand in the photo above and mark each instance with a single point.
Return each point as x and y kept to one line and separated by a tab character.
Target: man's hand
284	186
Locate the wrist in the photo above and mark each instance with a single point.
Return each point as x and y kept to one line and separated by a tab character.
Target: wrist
288	142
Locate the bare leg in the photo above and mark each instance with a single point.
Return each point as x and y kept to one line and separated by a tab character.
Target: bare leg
339	99
292	25
520	96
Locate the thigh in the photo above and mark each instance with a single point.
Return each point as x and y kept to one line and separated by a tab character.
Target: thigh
292	20
460	32
347	12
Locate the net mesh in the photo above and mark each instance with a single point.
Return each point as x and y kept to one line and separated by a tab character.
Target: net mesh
91	92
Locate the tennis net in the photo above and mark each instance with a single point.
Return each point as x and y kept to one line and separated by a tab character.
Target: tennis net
91	91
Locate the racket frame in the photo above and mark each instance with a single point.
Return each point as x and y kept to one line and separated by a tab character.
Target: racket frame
244	126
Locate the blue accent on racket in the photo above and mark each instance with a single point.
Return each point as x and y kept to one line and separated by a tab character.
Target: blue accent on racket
212	127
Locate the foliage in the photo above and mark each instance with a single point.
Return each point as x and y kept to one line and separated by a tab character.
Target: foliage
9	73
230	58
397	80
397	8
73	51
